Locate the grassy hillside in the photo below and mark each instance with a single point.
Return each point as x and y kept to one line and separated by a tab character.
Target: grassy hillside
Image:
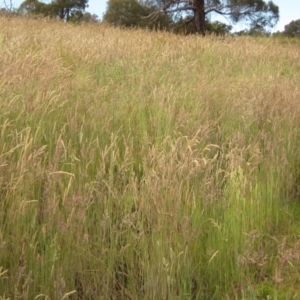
139	165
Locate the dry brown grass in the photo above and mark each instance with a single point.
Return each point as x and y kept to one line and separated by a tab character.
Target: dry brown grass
141	165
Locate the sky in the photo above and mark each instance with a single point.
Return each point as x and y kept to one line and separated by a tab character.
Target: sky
289	10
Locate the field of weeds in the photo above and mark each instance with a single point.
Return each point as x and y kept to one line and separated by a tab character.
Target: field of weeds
139	165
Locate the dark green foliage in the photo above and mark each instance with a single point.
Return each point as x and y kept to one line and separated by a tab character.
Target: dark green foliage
62	9
88	17
186	26
292	29
65	9
254	31
79	17
257	13
34	7
218	28
132	13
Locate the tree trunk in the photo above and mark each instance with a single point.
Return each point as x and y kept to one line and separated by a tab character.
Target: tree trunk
199	15
61	14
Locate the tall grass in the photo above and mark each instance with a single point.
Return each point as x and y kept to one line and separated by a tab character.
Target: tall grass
140	165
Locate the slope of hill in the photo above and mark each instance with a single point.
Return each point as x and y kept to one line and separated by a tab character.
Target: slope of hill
139	165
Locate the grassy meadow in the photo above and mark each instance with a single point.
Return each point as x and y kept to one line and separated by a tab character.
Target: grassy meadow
141	165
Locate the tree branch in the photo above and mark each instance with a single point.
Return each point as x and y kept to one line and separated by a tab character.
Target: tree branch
180	9
10	7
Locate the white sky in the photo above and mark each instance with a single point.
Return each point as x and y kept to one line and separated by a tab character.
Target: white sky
289	10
